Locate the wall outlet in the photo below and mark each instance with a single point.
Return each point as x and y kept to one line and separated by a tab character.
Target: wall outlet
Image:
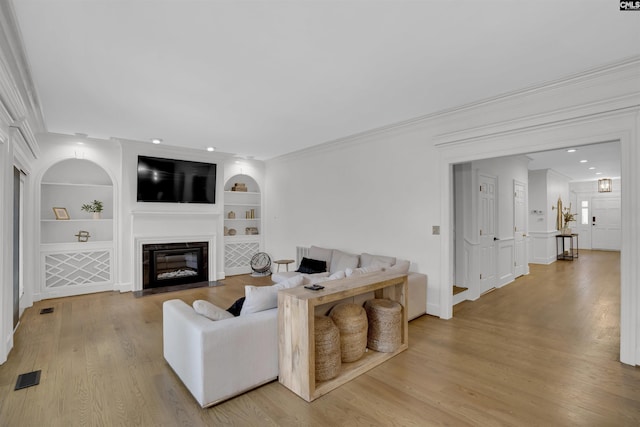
435	230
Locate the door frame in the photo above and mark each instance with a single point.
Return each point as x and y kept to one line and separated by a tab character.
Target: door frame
512	139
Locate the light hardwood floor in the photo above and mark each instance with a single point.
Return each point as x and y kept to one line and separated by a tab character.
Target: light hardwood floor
540	351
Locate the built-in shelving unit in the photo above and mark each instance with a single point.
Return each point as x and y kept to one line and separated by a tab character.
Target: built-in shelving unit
70	266
242	223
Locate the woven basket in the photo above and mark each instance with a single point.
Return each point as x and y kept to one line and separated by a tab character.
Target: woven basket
327	338
351	320
385	325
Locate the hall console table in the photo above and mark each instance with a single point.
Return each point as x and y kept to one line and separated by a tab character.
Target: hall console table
565	247
296	317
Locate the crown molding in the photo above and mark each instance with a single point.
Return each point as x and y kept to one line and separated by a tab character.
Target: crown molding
17	89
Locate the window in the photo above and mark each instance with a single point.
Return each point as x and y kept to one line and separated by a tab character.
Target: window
584	213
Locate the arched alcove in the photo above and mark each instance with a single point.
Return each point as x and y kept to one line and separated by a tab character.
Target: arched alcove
77	247
242	223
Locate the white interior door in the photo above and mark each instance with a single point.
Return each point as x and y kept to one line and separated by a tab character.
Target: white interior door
520	227
487	230
606	229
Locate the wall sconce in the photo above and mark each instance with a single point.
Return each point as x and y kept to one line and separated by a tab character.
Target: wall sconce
604	185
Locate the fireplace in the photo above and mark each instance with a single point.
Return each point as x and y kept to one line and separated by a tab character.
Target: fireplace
169	264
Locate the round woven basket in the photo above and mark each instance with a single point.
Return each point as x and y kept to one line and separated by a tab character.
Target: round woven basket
351	320
385	325
327	338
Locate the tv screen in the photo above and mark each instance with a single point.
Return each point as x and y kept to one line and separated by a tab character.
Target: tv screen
175	181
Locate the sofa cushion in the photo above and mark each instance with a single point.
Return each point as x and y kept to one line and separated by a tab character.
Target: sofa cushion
322	254
340	261
363	270
312	265
210	311
367	259
401	266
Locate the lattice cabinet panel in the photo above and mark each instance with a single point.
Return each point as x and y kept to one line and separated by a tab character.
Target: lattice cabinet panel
67	269
237	255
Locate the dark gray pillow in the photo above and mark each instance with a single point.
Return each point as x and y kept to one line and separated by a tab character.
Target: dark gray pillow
236	307
311	266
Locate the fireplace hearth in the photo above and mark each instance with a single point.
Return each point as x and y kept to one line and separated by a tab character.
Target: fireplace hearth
173	264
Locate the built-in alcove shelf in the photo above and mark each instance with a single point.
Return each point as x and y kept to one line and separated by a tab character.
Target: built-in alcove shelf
239	248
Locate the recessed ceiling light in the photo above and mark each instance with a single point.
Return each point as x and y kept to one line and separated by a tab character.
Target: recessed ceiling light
592	168
80	143
571	150
211	149
598	173
156	140
584	161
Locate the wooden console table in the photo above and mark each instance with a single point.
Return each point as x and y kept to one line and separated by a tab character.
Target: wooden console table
296	321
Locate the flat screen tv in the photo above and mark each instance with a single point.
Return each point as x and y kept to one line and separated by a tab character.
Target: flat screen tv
175	181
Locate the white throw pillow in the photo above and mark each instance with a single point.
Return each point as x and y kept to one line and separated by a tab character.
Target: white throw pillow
259	298
292	282
312	279
342	260
210	311
363	270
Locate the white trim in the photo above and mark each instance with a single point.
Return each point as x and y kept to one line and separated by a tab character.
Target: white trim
139	241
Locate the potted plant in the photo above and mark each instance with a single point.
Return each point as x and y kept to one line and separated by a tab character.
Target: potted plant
94	207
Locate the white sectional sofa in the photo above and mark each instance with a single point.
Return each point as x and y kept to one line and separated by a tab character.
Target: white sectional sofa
217	360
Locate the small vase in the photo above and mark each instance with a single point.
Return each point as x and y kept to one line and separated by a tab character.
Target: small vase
97	215
566	231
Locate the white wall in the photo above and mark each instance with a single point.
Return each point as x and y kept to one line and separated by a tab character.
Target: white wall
379	191
539	221
376	195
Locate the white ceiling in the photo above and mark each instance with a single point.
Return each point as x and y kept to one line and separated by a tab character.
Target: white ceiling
263	78
602	161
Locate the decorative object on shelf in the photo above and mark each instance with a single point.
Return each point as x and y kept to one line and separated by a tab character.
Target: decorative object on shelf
239	186
83	236
232	232
261	264
226	231
605	185
568	217
251	231
231	215
61	213
95	207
